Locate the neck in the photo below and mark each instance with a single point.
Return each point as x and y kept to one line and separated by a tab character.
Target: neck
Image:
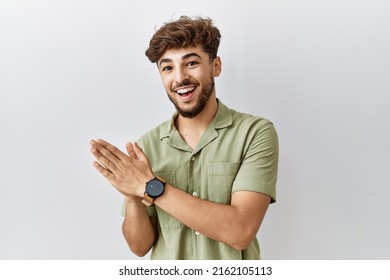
192	129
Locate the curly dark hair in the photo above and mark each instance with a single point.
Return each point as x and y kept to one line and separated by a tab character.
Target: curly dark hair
182	33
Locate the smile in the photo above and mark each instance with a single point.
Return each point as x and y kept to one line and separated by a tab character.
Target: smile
185	90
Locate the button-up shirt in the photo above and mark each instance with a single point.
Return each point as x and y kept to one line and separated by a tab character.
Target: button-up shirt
237	152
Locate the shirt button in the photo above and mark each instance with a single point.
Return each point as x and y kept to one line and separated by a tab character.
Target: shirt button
195	194
192	158
197	232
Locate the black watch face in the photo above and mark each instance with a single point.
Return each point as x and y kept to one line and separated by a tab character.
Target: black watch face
154	188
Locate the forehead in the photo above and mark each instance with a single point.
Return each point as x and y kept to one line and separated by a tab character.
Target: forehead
181	53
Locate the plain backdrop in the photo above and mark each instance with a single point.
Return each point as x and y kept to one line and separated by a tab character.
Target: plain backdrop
71	71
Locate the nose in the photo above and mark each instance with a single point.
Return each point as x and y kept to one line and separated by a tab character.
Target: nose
181	76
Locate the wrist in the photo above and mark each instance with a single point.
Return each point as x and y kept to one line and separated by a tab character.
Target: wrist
132	199
142	188
141	191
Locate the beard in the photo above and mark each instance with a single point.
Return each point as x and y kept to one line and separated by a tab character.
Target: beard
201	103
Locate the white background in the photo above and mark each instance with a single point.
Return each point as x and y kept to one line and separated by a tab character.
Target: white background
71	71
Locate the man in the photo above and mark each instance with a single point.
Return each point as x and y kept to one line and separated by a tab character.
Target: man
197	186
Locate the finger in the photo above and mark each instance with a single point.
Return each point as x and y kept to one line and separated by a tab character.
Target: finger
114	150
105	158
130	150
138	151
107	150
105	172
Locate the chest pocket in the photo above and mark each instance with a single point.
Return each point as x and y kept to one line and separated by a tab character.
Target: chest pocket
167	221
221	176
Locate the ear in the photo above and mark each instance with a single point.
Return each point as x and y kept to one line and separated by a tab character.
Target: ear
217	66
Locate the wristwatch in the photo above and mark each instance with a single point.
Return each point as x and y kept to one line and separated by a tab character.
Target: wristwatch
154	188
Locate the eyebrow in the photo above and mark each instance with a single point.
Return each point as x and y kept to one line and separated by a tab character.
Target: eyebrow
186	56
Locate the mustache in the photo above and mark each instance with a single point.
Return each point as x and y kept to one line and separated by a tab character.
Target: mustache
186	82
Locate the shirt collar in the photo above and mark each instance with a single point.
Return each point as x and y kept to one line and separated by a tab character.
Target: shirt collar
223	118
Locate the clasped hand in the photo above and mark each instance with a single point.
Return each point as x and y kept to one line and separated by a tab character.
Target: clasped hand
127	173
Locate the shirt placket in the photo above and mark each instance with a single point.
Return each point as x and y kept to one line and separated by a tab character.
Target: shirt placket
193	189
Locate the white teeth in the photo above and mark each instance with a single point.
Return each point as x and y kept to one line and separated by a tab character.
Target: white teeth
185	90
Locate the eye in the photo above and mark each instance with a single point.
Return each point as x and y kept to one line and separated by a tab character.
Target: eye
166	68
192	63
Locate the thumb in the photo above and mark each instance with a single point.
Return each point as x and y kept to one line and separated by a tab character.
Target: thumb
138	151
130	150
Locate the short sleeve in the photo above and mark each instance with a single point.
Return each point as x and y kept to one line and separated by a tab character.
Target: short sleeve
259	166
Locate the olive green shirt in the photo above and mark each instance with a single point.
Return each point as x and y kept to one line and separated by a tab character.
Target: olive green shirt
238	152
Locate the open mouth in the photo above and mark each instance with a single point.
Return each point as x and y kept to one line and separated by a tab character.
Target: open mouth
186	91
